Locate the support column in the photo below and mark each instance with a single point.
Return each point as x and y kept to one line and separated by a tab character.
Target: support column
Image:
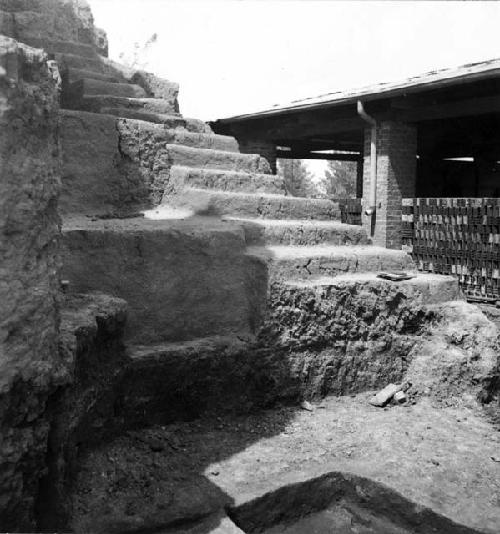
359	179
396	179
265	149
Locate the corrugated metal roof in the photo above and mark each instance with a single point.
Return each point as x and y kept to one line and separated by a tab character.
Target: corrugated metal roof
430	80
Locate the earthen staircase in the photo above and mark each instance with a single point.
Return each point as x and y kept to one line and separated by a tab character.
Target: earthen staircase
209	176
298	241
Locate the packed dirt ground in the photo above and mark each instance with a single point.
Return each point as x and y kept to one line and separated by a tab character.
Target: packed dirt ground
444	458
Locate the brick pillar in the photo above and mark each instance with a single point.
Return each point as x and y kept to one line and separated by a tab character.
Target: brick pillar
396	178
265	149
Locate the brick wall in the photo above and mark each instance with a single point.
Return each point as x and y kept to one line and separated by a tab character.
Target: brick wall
264	148
396	177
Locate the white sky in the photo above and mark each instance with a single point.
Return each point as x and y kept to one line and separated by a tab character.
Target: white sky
231	56
234	56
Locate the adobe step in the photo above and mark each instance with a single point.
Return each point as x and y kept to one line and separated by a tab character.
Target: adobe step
92	87
211	141
433	288
75	75
64	47
75	61
156	373
122	106
254	205
144	130
170	119
145	355
220	180
205	158
181	279
302	262
333	311
301	232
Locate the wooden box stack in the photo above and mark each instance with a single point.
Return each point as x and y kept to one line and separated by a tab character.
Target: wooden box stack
350	210
459	236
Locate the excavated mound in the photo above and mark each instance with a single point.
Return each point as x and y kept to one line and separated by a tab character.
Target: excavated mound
251	299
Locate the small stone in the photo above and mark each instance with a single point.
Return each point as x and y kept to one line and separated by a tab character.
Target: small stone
400	397
496	458
214	473
307	406
155	445
385	395
64	285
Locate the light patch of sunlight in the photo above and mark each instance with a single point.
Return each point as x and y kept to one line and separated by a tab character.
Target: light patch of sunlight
167	212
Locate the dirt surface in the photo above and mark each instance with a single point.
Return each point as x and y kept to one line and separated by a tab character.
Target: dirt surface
337	519
444	458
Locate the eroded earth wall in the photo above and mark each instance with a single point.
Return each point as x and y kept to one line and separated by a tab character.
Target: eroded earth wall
51	24
29	233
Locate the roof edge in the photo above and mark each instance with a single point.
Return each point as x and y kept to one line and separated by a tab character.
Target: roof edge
431	80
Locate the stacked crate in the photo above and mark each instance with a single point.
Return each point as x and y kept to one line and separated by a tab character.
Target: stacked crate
350	210
459	236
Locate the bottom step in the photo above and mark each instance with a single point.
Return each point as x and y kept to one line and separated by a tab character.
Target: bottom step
432	288
328	336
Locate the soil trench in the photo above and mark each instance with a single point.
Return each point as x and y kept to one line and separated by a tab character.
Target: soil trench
435	458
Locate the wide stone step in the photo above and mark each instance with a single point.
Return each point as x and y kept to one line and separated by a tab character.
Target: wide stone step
147	131
301	232
254	205
150	355
75	75
181	279
156	373
224	143
101	103
64	47
92	87
75	61
167	120
243	182
302	262
125	107
431	288
205	158
170	120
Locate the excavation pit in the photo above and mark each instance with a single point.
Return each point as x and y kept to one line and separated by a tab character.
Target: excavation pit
414	468
341	503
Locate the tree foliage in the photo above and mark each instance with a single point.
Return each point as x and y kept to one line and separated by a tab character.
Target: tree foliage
298	180
340	179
